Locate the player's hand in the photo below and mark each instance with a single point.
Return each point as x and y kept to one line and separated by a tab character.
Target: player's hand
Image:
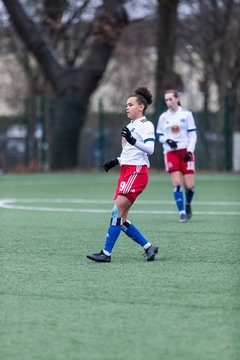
187	156
172	144
110	164
126	133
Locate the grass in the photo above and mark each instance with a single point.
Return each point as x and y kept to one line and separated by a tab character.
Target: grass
55	304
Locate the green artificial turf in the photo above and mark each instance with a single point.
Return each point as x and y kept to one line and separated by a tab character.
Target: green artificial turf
55	304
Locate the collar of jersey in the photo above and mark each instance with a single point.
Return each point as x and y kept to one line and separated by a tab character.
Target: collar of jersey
137	120
175	112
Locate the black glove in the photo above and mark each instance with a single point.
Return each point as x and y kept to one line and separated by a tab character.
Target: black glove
110	164
126	133
171	143
187	156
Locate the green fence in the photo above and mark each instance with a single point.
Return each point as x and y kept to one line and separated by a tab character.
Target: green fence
99	138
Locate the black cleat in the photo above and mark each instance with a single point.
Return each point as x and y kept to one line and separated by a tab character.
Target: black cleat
182	218
99	257
151	252
188	211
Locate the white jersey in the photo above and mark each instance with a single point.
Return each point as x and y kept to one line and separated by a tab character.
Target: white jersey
143	131
178	126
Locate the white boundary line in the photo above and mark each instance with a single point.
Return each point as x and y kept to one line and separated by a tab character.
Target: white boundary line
11	204
102	201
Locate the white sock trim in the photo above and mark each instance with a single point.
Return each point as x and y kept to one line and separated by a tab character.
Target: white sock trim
106	253
146	246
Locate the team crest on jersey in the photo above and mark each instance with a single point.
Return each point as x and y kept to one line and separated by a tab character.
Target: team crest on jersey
182	120
175	129
132	130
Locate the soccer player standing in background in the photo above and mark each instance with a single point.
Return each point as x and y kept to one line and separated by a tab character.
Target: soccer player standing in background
138	140
176	130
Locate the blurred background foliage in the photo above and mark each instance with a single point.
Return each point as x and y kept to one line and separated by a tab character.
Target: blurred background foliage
68	66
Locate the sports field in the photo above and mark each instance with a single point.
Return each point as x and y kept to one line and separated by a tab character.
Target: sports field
55	304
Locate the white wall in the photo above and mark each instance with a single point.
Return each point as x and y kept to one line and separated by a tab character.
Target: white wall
236	151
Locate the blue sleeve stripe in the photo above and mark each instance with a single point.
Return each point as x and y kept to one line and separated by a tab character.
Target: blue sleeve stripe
149	139
192	130
159	134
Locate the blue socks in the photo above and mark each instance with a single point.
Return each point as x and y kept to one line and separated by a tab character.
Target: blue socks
178	196
132	232
179	199
112	235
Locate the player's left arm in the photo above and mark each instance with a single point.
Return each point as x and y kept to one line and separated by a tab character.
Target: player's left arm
192	133
147	142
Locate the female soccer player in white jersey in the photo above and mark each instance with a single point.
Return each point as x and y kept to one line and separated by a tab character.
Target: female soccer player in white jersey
176	130
138	140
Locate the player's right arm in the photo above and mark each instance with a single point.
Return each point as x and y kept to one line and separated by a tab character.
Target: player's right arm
159	131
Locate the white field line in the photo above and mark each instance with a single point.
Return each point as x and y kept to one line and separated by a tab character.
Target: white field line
98	211
12	204
102	201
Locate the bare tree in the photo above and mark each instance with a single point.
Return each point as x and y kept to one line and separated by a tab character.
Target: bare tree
72	85
166	47
212	31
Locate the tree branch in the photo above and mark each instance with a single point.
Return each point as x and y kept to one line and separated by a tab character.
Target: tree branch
31	35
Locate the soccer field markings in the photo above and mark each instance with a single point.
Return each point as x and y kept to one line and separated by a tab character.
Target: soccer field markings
13	204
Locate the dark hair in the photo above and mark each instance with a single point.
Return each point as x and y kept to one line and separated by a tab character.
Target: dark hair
174	92
144	96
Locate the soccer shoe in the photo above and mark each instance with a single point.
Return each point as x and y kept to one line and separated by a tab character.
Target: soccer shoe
182	218
99	257
151	252
188	211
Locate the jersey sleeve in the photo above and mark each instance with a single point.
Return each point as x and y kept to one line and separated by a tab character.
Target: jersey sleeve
147	147
159	130
192	133
147	142
148	132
